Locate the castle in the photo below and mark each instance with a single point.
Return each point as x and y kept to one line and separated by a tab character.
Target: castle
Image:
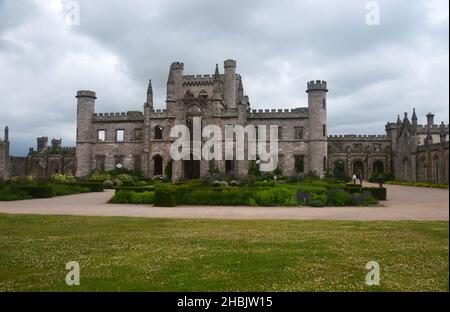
141	139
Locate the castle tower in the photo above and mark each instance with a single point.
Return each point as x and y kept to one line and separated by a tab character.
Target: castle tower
42	143
56	144
414	119
229	86
85	132
317	112
430	123
4	156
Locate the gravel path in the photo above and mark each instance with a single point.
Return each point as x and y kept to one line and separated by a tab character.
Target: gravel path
404	203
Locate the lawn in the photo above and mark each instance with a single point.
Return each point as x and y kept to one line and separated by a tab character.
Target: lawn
141	254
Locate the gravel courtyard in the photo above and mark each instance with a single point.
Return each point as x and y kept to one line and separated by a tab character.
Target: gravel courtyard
404	203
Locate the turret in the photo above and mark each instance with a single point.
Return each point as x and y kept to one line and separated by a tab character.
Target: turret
149	102
317	112
229	86
174	81
56	144
216	98
430	120
414	118
85	131
442	133
42	143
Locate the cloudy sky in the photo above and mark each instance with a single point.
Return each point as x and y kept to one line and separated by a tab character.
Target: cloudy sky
373	72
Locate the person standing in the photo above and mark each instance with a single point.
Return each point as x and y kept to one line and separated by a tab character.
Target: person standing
354	178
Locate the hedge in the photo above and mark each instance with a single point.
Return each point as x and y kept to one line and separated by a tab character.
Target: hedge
165	196
379	193
136	189
36	191
92	186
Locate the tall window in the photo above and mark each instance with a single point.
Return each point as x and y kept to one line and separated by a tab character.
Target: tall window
158	132
101	135
280	133
324	129
324	102
298	133
120	135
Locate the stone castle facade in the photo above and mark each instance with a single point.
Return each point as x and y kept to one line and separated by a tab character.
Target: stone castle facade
141	139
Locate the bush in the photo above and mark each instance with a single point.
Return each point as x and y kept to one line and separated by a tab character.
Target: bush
99	177
108	184
377	192
218	196
63	178
165	196
126	179
317	203
311	189
339	198
136	189
36	191
142	198
364	199
121	197
68	189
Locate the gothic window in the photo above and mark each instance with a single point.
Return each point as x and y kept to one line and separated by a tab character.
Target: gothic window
298	133
188	93
120	135
100	162
229	166
280	133
324	164
324	102
101	135
324	130
158	133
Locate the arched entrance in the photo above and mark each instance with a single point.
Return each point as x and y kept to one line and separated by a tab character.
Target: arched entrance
157	165
358	168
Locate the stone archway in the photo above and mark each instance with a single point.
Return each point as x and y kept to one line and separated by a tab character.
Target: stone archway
358	168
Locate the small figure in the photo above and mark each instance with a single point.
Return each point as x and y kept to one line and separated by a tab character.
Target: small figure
354	178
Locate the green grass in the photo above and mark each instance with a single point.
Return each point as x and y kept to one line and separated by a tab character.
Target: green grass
141	254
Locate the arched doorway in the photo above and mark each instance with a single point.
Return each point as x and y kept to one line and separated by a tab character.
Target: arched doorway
378	167
358	168
406	169
157	165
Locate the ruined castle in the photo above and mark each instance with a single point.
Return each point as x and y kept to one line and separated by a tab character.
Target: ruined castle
141	139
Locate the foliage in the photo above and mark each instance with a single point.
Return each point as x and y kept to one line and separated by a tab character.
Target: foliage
168	170
36	191
339	198
377	192
165	196
63	178
418	184
100	177
384	176
130	197
126	179
108	184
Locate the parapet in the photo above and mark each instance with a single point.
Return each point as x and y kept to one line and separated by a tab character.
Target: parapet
354	137
301	112
316	85
229	63
86	93
177	65
122	116
199	80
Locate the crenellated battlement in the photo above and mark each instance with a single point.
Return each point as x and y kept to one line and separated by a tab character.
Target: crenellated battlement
119	116
199	80
177	66
351	137
316	85
301	112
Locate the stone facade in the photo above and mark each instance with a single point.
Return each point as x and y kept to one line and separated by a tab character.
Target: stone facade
141	139
410	151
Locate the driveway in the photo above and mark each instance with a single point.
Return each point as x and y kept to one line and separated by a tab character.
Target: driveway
404	203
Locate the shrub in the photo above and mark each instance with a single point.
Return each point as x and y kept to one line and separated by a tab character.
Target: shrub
63	178
311	189
121	197
126	179
339	198
36	191
276	197
353	190
364	199
218	196
303	198
142	198
377	192
317	203
117	182
165	196
234	183
68	189
99	177
108	184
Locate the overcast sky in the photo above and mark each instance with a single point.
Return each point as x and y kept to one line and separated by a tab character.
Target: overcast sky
373	72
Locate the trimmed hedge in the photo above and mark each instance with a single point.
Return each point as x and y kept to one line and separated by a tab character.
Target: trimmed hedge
165	196
379	193
36	191
136	189
92	186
